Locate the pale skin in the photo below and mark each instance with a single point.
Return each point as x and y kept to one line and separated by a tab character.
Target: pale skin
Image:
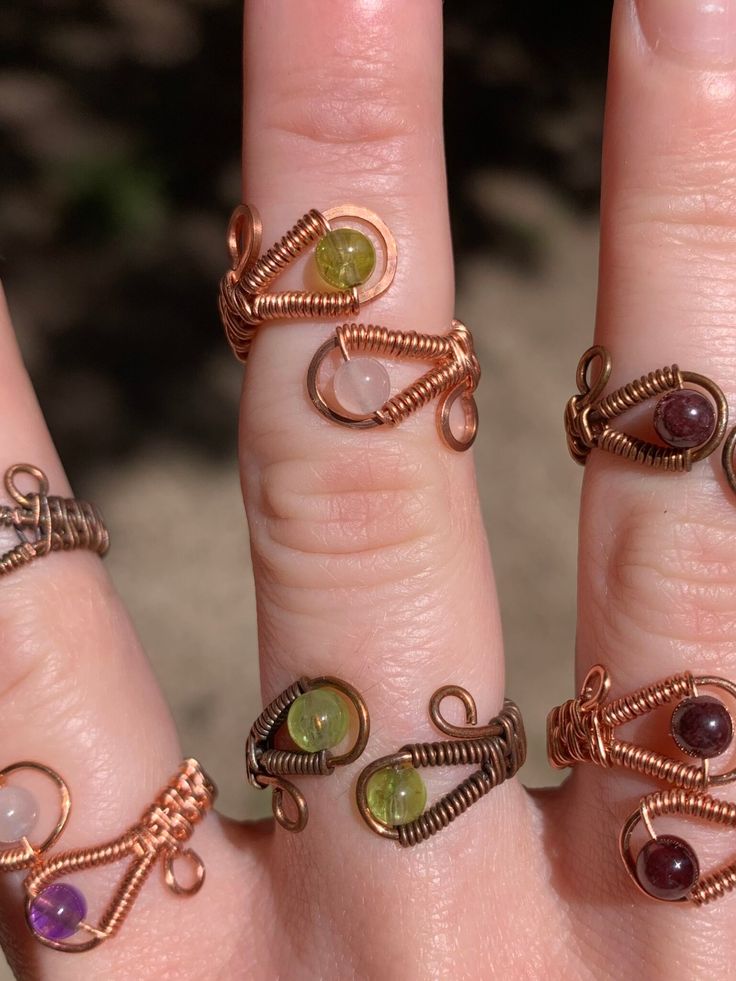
370	556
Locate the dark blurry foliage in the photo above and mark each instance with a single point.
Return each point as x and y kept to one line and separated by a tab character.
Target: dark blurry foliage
119	150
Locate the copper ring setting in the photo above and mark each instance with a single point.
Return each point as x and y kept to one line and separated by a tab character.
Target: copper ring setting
56	910
246	300
312	718
583	730
390	792
690	416
45	523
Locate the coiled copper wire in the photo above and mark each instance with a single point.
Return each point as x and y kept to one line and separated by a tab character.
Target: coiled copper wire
47	523
499	748
455	375
160	835
267	767
588	414
244	300
691	804
582	729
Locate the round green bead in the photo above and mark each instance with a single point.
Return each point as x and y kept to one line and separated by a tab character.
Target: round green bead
345	258
396	795
318	720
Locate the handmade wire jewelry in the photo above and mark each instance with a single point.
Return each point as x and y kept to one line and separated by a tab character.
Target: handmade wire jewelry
361	387
345	258
19	811
690	424
666	867
55	910
583	729
392	796
45	523
317	718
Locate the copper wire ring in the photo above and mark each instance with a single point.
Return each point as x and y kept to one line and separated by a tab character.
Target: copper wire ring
589	414
498	749
160	835
455	374
47	523
269	767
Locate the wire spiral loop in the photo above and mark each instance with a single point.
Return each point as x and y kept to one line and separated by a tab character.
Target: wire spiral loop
245	300
498	749
456	374
267	766
589	414
690	804
582	729
159	836
45	523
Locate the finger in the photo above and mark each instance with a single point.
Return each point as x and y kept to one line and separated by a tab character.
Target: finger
77	694
657	576
370	556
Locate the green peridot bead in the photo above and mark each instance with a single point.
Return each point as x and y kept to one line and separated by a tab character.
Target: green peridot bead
345	258
318	720
396	795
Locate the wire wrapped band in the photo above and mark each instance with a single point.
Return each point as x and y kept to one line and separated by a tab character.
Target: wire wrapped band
267	766
498	749
245	300
707	888
582	729
159	836
589	414
455	374
45	523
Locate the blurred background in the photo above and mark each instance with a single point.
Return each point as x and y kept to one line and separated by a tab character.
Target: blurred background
119	154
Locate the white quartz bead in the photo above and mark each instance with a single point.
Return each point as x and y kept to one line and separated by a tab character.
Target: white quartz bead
361	386
18	813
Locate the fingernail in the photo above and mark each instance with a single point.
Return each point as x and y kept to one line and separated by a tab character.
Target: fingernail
700	32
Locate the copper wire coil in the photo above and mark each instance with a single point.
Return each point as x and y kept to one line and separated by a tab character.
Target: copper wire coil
374	339
640	390
703	806
647	698
640	451
447	809
431	385
310	227
292	762
452	753
292	304
165	825
650	764
17	858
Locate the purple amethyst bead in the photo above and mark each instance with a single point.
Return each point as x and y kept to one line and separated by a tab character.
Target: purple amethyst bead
57	911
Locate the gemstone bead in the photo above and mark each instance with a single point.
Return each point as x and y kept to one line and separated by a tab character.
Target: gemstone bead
57	911
318	720
667	867
345	258
702	726
18	813
361	386
396	795
684	419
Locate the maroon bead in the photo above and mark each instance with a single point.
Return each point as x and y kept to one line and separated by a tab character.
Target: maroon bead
667	868
685	418
701	726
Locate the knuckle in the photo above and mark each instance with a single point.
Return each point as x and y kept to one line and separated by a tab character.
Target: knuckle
354	521
673	576
347	101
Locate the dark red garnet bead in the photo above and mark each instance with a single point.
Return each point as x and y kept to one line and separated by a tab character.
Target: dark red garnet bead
667	868
684	419
701	726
